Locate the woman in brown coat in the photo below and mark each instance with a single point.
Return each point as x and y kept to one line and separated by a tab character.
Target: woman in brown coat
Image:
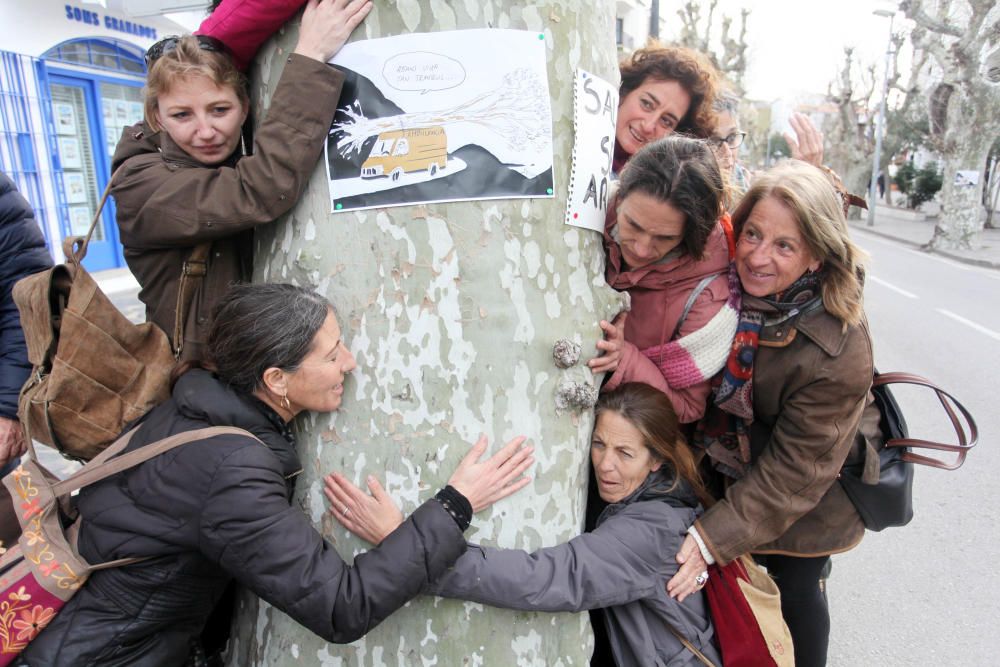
794	403
182	184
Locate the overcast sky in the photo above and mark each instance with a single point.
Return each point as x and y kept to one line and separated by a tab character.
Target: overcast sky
798	46
795	46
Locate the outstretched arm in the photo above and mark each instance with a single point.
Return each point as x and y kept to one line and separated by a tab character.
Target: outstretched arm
480	483
623	560
244	25
249	529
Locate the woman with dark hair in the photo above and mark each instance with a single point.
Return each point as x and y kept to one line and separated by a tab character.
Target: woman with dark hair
219	509
187	197
666	248
664	89
646	474
794	404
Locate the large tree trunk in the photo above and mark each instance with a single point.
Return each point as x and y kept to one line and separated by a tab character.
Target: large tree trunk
962	211
452	311
970	126
963	104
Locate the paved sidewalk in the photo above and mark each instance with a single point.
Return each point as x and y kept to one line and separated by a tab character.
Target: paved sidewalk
899	225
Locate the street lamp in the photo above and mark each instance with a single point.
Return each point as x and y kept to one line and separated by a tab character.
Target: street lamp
880	127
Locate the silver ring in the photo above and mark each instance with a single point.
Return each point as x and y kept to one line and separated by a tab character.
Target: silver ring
701	579
347	511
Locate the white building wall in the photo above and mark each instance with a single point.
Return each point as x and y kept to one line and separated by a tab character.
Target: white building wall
33	27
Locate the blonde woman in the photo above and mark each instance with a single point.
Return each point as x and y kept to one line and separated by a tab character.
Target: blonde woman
181	177
794	404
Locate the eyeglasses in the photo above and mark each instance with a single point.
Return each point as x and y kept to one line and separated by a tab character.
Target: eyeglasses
167	44
734	140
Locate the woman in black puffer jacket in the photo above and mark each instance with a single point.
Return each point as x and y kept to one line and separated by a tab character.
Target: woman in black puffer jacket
215	510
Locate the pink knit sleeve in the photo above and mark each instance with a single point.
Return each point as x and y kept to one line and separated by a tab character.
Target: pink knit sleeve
244	25
689	403
636	367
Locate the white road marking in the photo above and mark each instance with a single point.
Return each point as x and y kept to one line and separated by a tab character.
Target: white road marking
889	285
986	272
969	323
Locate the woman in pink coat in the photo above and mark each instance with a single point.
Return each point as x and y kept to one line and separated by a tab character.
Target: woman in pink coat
666	247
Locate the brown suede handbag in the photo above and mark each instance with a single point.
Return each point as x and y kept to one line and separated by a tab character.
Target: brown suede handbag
93	370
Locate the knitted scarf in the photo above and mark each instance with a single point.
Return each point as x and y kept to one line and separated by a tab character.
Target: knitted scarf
696	357
724	431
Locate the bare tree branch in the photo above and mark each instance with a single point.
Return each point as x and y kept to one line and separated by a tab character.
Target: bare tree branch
914	11
972	36
708	24
730	58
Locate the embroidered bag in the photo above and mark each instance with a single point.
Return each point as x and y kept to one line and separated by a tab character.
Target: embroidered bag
881	486
93	371
44	569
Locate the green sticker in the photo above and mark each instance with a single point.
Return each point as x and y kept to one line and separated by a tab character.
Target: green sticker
549	191
339	206
541	37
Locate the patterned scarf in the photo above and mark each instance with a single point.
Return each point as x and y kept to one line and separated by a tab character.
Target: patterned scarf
724	430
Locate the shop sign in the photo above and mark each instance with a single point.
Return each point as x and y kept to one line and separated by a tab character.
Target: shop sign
92	17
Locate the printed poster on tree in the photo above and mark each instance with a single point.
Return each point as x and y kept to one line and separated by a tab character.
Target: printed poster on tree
445	116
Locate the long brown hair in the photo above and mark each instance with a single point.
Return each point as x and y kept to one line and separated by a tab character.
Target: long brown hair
653	415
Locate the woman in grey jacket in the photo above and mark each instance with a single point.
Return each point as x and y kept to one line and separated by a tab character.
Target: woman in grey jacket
647	476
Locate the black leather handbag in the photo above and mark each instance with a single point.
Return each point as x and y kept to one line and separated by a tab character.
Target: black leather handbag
889	501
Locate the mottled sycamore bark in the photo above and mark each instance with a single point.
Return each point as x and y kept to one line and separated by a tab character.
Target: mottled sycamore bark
452	311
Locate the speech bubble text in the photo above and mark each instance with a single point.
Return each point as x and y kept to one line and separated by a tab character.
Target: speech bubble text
423	71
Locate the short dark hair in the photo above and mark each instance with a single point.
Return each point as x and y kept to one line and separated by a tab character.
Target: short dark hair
684	173
263	326
692	70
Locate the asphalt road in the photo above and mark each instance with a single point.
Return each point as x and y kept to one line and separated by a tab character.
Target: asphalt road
926	593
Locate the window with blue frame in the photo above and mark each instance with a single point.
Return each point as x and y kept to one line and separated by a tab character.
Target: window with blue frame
89	110
108	54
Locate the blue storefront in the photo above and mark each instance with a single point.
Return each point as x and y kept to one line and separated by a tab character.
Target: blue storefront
71	78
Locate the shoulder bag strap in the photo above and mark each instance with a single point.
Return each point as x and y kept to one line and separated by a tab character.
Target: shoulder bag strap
92	473
689	646
699	288
966	441
192	274
75	247
100	467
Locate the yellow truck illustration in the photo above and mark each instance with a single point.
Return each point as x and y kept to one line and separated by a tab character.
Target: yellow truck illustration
402	151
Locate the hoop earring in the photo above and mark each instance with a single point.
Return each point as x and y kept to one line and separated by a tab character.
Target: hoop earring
285	403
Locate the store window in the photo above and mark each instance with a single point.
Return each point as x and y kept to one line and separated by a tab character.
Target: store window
76	156
107	54
121	106
96	95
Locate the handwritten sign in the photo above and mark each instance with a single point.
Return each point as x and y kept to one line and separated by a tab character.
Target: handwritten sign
594	115
421	71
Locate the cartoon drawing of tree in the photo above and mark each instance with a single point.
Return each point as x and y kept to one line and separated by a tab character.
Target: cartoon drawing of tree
516	111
